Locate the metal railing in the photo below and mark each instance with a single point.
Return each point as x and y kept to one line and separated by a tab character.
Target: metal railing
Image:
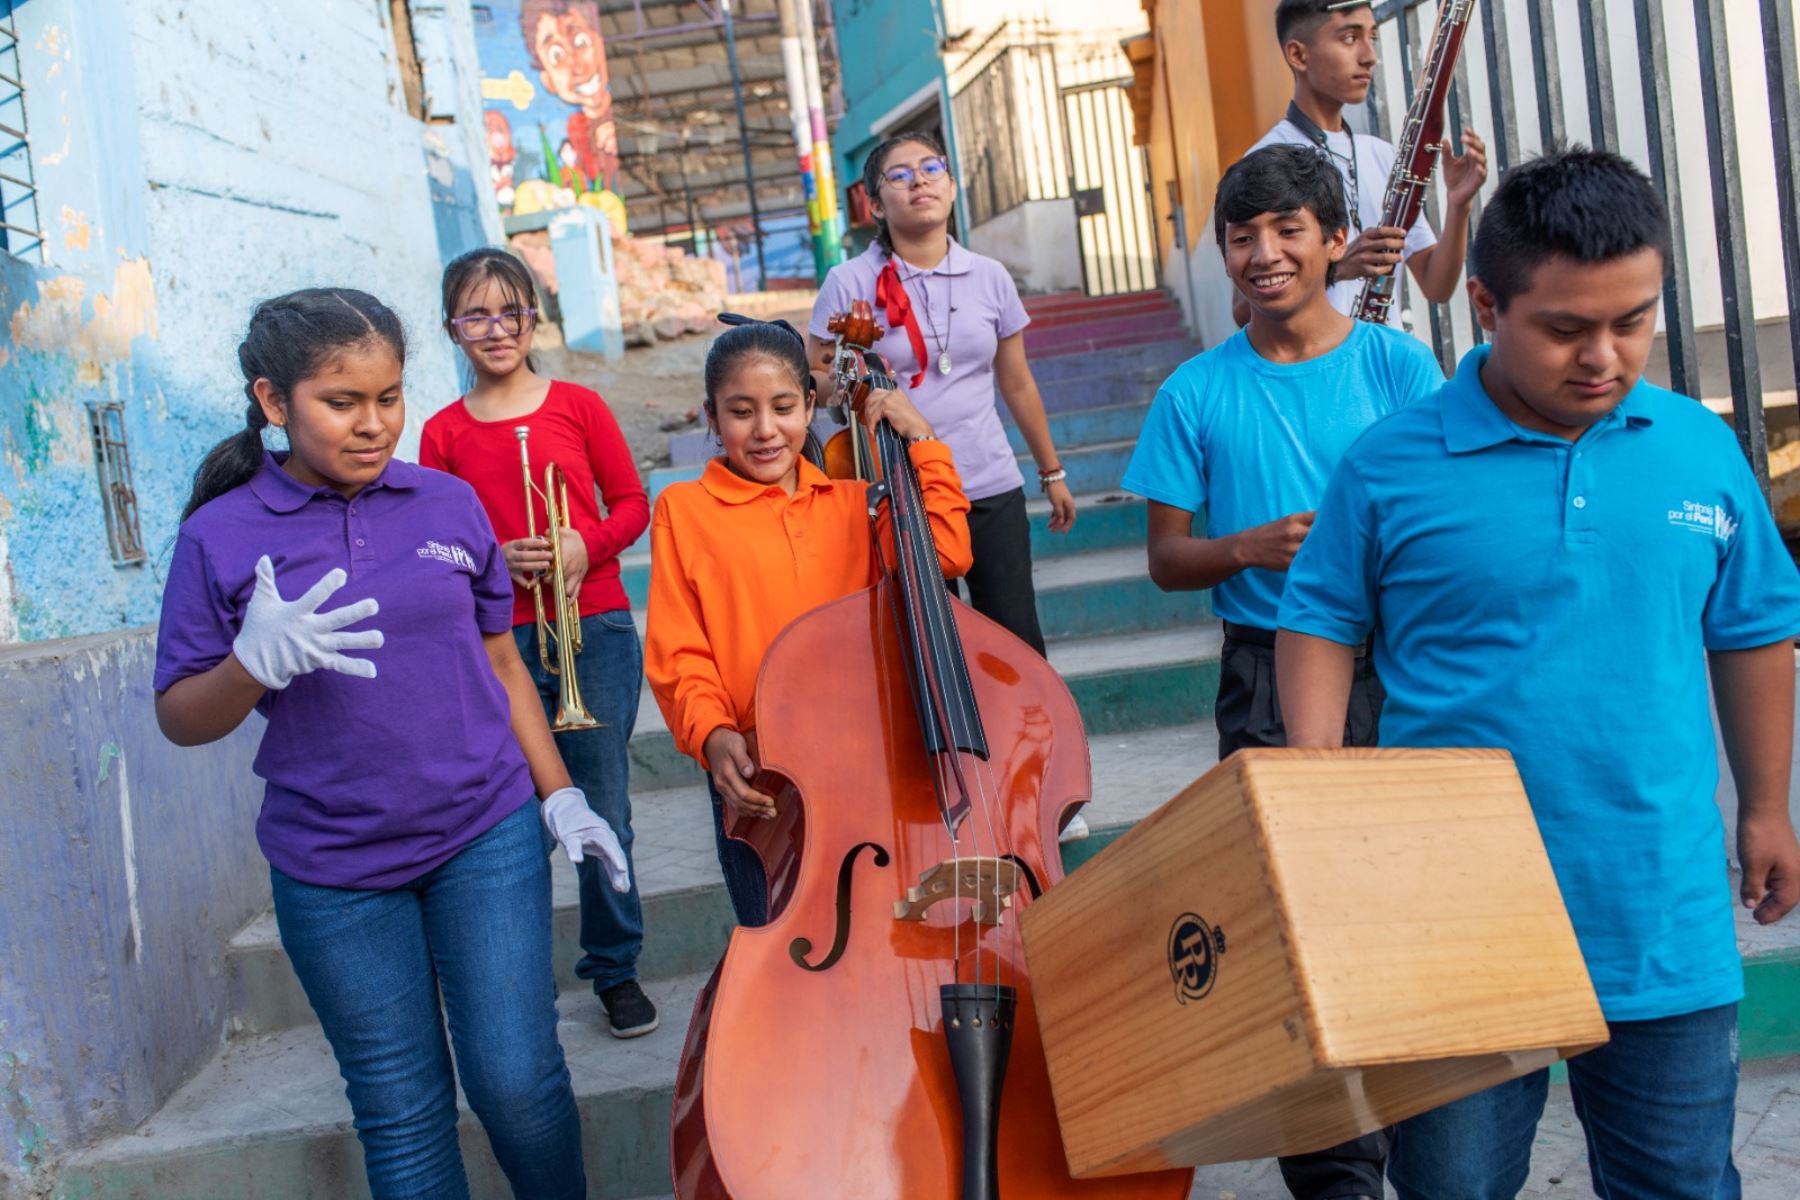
21	229
1008	134
1406	26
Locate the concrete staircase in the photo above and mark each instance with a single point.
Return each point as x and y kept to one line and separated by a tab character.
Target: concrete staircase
267	1119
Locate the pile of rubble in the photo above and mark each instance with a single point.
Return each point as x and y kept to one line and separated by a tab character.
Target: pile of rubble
664	292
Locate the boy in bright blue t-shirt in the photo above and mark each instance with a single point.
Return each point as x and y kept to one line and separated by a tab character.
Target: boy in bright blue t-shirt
1550	553
1247	434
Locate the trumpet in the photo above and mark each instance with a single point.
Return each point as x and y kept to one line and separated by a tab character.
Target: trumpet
560	628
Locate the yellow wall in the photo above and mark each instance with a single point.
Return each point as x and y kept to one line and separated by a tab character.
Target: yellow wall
1219	83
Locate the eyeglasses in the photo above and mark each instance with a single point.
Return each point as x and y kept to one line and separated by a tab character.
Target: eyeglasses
477	326
931	170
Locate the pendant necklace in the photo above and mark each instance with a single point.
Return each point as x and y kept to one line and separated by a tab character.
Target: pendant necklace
942	343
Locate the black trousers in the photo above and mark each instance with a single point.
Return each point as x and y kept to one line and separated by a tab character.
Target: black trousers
1248	713
1000	581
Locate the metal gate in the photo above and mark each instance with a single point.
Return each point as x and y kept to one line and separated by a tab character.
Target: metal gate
1107	179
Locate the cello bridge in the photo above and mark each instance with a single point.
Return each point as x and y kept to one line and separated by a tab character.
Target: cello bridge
989	883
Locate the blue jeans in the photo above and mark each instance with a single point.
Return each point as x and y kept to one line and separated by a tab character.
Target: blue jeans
1656	1102
476	931
610	674
745	881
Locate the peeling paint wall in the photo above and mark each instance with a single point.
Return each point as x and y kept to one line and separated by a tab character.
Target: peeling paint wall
191	160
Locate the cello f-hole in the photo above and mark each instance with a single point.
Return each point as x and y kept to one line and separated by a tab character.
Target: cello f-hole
800	947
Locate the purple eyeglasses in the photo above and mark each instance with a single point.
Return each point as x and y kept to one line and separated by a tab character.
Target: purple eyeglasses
476	326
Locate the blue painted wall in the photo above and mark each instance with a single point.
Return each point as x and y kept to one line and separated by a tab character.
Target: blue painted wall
127	865
889	50
191	160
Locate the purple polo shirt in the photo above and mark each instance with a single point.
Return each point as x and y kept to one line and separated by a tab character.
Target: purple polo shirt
960	405
370	782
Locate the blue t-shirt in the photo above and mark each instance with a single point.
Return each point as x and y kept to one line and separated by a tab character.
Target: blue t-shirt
1250	441
1557	600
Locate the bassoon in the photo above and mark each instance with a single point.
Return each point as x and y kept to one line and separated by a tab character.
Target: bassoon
1416	155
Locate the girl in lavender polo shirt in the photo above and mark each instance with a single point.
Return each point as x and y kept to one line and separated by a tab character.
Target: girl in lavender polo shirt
954	327
403	750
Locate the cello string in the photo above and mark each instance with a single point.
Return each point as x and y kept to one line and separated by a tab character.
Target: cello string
922	573
946	648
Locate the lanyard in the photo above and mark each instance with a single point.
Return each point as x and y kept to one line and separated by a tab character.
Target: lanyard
1306	125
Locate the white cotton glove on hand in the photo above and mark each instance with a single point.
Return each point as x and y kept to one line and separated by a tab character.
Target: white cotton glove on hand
582	831
284	639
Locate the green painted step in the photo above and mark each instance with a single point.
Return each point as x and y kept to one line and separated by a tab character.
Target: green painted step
1096	467
1086	426
1121	683
1103	521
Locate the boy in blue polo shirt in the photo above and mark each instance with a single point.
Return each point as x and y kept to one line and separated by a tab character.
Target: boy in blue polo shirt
1550	553
1248	433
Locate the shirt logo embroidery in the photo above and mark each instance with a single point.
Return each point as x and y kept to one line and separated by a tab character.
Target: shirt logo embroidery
1704	518
453	554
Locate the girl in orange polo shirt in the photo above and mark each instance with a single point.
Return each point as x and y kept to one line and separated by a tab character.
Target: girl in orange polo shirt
759	539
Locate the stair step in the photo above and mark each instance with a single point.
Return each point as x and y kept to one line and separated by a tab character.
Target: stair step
1121	683
1144	304
1045	303
1095	467
1154	359
268	1118
1071	428
1131	329
687	916
1103	521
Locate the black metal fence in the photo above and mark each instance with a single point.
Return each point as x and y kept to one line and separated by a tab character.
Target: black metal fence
1004	120
1407	25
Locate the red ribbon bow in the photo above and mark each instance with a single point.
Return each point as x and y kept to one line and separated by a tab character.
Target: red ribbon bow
890	293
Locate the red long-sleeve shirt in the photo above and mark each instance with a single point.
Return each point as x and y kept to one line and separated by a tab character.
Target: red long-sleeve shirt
574	429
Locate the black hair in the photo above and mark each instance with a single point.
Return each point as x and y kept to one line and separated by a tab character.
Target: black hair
289	339
483	265
1588	205
1278	179
1298	20
750	338
871	179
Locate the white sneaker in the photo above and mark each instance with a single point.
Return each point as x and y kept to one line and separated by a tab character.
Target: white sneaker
1075	830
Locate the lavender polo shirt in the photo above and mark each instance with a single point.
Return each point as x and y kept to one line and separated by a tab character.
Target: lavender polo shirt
960	405
370	782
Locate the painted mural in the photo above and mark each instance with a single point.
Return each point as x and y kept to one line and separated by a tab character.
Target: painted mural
548	100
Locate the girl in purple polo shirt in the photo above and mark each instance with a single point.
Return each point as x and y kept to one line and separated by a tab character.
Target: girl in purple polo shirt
404	747
955	326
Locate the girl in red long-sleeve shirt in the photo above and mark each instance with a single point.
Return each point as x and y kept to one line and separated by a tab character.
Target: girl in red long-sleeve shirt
490	311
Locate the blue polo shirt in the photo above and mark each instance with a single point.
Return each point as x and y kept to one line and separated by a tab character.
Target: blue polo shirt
1250	441
1557	599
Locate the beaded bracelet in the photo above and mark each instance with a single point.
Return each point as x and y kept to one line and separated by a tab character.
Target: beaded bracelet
1046	478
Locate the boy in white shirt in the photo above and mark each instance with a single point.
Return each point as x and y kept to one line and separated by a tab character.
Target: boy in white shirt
1330	46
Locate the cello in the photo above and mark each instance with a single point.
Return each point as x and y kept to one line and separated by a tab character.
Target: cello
877	1038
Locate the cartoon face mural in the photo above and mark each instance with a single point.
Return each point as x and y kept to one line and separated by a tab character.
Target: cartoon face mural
551	136
563	39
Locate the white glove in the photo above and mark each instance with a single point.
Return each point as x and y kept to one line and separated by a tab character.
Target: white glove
282	639
580	830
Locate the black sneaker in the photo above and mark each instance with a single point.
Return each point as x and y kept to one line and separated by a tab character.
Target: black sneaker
628	1011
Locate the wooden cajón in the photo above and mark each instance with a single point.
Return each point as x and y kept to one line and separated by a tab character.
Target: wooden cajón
1302	946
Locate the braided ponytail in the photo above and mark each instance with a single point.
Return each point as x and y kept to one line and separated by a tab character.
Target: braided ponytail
289	338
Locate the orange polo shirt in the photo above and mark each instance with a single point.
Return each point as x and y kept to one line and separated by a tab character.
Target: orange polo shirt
733	561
